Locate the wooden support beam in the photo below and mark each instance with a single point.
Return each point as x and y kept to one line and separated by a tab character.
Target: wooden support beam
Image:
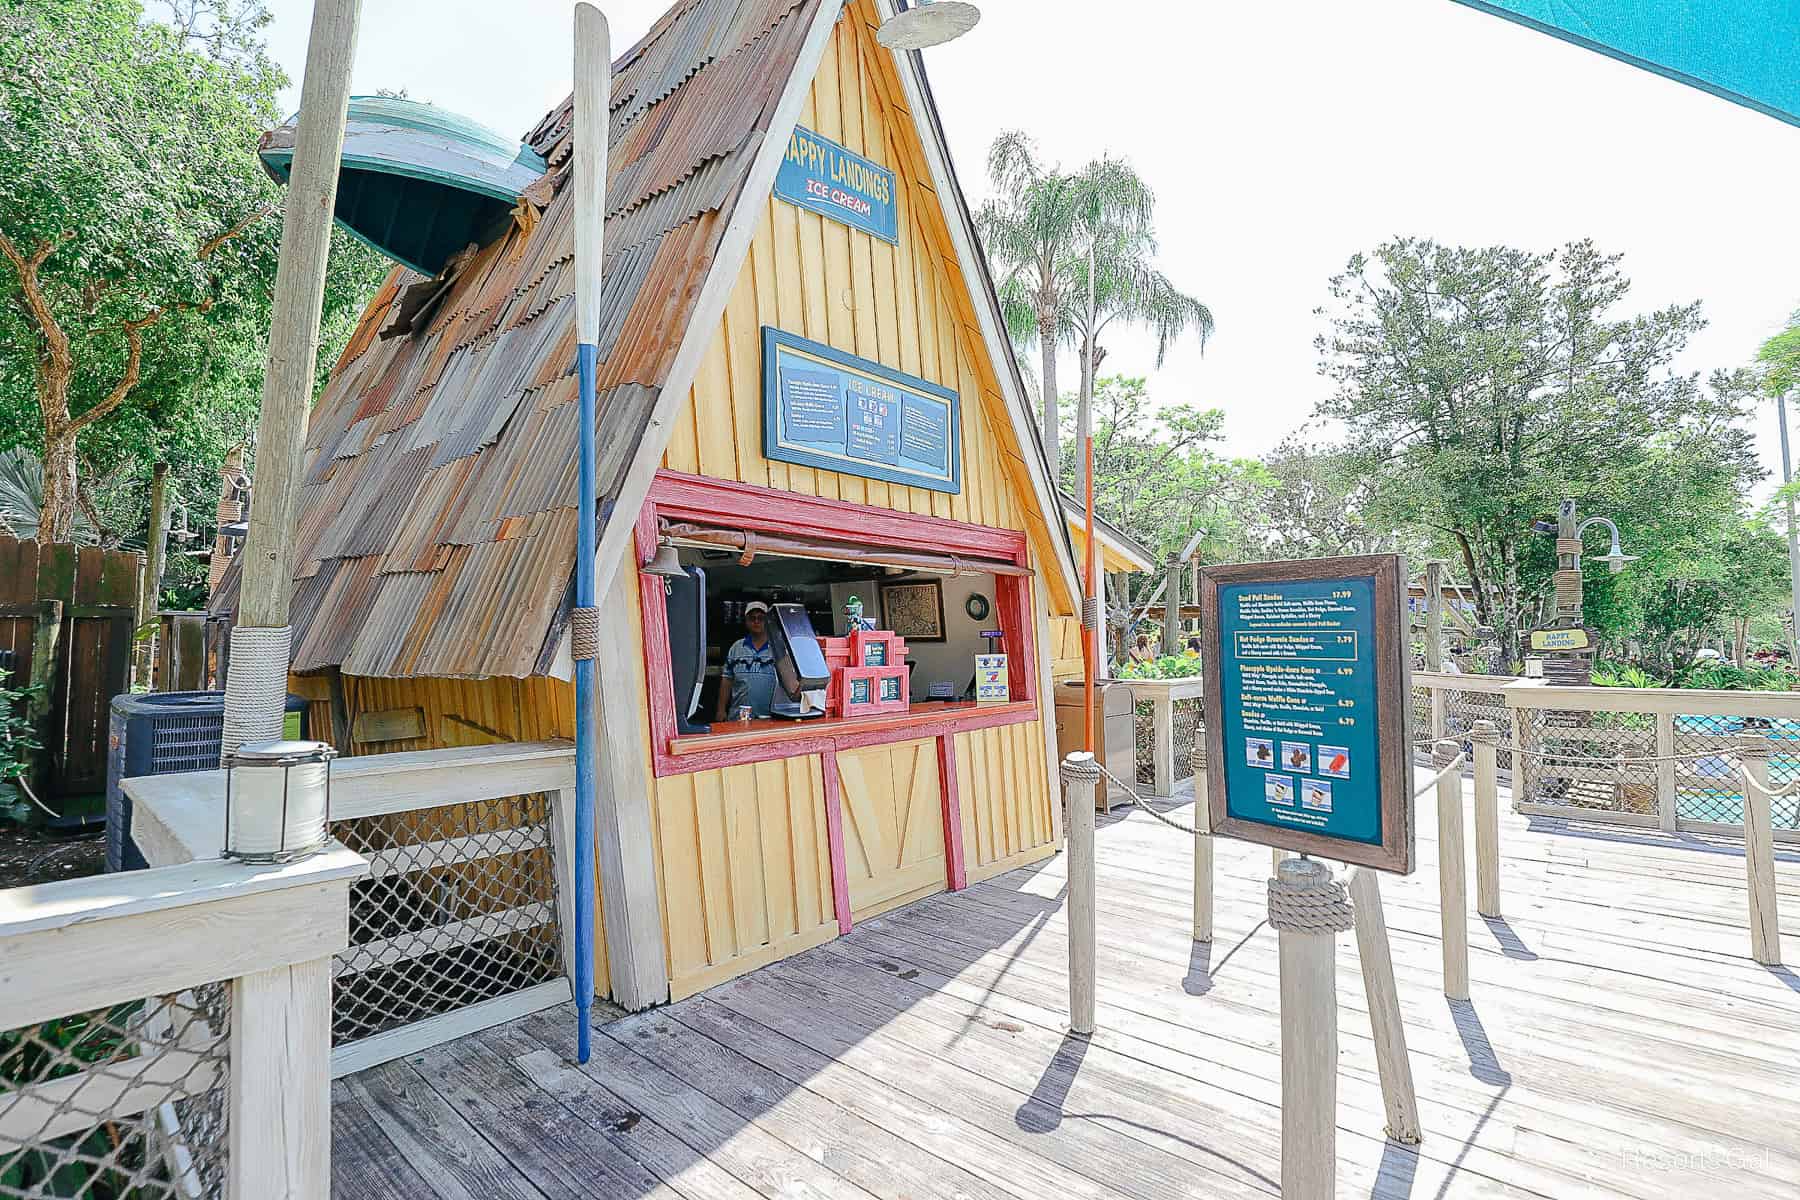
1486	741
280	1089
1453	884
1399	1099
1759	852
625	842
1080	779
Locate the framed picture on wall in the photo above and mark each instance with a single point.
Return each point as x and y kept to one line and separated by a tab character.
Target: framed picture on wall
915	611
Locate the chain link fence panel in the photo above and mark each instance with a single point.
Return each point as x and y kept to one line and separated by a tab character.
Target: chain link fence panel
1708	781
122	1103
1589	762
459	907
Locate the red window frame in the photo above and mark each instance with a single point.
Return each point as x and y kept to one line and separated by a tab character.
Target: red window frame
677	496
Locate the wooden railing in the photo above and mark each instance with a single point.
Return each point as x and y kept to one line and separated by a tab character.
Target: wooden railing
166	1032
1174	721
1663	758
464	920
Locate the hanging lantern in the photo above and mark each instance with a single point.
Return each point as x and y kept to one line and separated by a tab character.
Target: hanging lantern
277	801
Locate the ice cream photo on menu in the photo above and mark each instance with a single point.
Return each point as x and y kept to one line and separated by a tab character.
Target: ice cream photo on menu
1334	761
1259	752
1296	756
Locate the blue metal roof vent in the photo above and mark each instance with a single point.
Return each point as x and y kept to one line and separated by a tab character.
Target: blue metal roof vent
418	183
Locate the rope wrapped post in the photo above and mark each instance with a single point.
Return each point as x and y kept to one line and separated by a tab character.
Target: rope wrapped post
1399	1100
1307	908
255	687
1081	776
1486	739
1453	872
1759	850
1203	847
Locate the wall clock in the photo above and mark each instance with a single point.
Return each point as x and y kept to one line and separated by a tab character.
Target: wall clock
976	606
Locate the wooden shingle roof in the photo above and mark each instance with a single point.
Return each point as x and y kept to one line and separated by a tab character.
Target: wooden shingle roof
437	515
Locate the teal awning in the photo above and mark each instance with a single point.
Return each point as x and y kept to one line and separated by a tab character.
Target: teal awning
418	183
1745	51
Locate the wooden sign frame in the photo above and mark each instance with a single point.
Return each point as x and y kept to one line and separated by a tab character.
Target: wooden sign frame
1392	660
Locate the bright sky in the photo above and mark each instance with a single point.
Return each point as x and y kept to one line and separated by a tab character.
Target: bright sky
1280	139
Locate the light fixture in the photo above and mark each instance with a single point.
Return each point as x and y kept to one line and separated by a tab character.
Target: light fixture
1615	558
277	801
928	23
666	562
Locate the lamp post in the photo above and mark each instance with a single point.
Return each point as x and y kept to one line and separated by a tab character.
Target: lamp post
1570	646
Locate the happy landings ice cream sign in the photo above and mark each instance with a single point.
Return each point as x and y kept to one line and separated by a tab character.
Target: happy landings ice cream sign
821	176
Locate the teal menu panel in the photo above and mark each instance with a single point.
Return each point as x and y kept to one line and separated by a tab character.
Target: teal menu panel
1298	704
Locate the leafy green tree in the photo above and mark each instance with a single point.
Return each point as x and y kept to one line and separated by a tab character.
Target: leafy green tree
134	254
1321	502
1480	387
1038	232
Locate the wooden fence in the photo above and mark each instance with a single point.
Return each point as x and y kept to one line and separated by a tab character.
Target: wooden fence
464	920
166	1031
1664	758
66	615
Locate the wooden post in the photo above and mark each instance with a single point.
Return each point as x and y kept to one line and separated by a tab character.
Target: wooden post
1309	1042
293	347
1439	704
1759	852
1081	775
1163	742
280	1090
1434	619
1666	787
46	639
1399	1099
1203	848
1453	884
1276	854
1171	608
624	839
155	548
1486	739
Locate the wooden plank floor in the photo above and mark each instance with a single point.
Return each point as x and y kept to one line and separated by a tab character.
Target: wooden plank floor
1619	1043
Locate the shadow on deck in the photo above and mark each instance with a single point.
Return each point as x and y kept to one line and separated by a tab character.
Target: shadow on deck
1619	1042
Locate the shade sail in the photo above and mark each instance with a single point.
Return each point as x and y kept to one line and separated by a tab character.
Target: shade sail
1745	51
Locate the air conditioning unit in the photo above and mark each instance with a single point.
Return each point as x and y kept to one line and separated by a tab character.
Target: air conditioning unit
162	734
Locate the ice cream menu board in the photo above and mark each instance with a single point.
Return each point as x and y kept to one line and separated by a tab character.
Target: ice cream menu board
1306	707
825	408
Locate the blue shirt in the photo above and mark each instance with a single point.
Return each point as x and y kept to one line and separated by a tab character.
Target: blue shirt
750	672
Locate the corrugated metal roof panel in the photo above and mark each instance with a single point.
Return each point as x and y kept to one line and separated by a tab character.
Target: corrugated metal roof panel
437	519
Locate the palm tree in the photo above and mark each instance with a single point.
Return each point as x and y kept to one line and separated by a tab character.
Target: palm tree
1129	287
1037	232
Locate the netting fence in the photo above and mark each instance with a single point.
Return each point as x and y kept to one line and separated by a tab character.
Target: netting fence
1187	716
460	907
122	1103
1597	755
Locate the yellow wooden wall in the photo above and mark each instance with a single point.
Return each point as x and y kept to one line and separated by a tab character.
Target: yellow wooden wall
738	888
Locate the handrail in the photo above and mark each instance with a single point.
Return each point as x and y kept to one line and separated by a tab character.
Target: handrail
1679	701
180	817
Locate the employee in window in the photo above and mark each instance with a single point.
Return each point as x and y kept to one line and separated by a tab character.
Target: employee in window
749	675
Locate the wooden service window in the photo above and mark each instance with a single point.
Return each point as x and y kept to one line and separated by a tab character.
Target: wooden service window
760	524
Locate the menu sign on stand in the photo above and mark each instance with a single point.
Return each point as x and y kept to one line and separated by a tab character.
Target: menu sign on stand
1308	707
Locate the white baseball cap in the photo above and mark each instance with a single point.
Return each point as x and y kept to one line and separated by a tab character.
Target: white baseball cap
755	606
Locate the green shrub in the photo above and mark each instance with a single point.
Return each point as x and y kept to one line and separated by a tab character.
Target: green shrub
1169	666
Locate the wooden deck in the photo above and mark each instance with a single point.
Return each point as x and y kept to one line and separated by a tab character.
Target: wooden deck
1620	1043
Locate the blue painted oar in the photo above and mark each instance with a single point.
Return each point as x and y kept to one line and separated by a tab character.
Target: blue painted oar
593	92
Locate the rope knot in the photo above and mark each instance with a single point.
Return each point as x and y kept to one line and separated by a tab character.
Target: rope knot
1080	768
1090	612
584	633
1304	898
